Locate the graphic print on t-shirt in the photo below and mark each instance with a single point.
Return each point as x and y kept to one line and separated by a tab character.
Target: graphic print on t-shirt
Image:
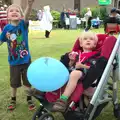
16	45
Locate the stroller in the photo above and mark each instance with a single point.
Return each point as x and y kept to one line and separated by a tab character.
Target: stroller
105	67
112	28
95	23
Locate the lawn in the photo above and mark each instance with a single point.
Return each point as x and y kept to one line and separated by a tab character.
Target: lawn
61	41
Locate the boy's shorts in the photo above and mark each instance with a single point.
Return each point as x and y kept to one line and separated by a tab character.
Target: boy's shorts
18	73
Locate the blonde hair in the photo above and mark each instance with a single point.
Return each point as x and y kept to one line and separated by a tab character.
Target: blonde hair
87	35
15	5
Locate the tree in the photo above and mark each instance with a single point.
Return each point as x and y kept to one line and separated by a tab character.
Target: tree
7	2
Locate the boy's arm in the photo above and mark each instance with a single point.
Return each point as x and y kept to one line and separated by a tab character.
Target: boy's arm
28	9
3	36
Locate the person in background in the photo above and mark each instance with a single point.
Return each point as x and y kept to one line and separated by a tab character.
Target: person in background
3	17
88	17
78	17
39	15
118	14
112	18
46	21
62	19
5	7
67	19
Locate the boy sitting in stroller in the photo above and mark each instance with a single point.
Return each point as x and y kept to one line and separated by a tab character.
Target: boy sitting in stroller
95	62
78	62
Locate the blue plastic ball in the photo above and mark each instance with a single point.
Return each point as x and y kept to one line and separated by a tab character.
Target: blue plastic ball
47	74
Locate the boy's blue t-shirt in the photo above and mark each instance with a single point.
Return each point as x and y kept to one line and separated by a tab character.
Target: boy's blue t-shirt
17	42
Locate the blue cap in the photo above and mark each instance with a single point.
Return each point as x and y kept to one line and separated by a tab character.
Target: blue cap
113	10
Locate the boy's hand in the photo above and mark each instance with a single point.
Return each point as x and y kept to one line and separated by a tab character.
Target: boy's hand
72	56
30	2
28	9
8	35
80	65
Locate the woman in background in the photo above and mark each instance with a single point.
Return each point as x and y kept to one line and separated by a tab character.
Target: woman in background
88	17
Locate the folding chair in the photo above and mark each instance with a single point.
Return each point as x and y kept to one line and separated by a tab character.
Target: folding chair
112	28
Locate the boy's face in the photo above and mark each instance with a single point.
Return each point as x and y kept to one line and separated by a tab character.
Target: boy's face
114	14
88	43
14	13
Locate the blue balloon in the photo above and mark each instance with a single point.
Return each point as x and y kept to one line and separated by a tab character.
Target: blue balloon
47	74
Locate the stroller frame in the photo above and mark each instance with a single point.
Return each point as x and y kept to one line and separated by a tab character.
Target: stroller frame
97	98
100	96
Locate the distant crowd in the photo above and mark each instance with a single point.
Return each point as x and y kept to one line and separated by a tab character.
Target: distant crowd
3	16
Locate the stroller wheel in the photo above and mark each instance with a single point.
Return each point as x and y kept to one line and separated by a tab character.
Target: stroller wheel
46	116
37	114
117	111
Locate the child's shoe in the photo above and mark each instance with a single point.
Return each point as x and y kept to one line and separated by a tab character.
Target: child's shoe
12	105
31	105
59	106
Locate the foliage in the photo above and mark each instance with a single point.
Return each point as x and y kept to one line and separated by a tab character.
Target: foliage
7	2
56	18
56	15
33	15
97	11
103	12
84	10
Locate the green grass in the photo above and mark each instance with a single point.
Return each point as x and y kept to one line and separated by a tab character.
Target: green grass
61	41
